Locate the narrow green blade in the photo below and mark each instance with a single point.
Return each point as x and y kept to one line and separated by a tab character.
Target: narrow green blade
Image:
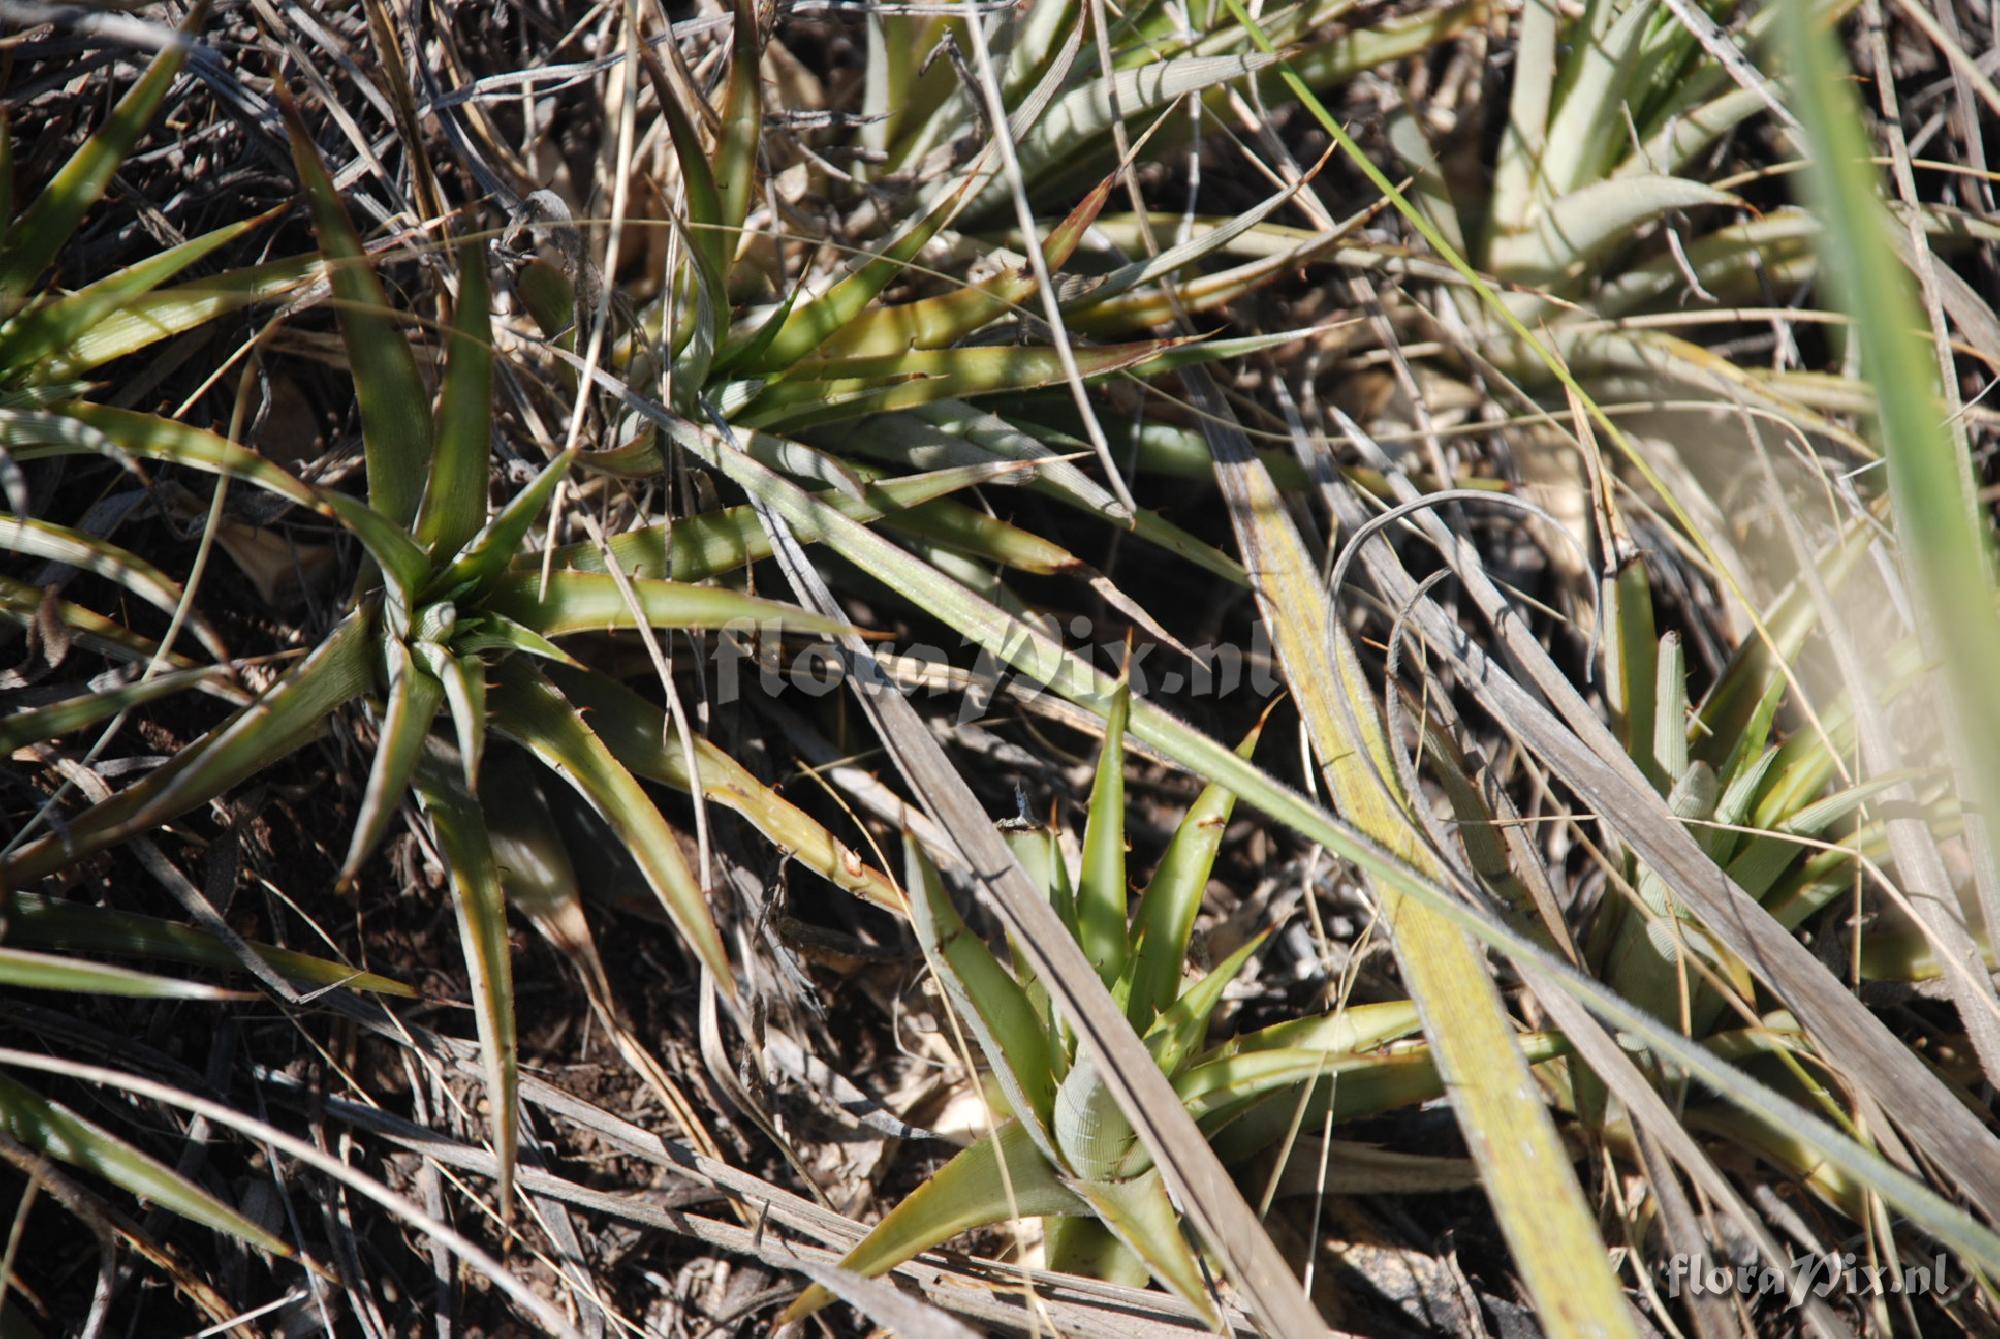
1100	893
414	698
467	849
27	969
530	710
1172	898
591	602
991	1003
53	924
742	127
395	405
276	724
498	542
33	240
454	505
1140	1214
57	1132
1000	1177
53	330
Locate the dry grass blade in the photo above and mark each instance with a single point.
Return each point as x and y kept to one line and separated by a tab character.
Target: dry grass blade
1500	1109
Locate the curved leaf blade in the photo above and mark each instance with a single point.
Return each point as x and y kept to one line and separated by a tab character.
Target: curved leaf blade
56	1132
395	405
481	905
531	711
1000	1176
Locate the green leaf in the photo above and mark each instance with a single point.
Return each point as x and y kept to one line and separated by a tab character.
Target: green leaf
395	406
1179	1029
57	1132
1101	890
991	1003
813	321
467	849
709	244
282	720
454	505
33	240
78	428
1141	1215
935	322
414	698
711	543
850	387
591	602
1168	907
41	343
1357	1027
742	127
530	711
487	553
1581	229
56	924
22	604
29	970
1085	112
637	734
144	321
403	564
464	679
1941	522
61	718
1000	1177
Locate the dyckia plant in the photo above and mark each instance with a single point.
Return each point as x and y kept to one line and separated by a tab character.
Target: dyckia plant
444	639
1061	1149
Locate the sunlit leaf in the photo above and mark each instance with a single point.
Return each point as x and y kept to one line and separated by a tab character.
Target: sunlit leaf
972	1190
27	969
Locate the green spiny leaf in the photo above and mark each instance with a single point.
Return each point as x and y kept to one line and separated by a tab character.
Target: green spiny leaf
1101	889
395	406
467	849
1167	908
282	720
991	1003
414	698
1141	1215
1001	1176
32	240
591	602
529	710
454	505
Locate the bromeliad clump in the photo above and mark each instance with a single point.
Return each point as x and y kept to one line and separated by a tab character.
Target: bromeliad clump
1060	1148
447	635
